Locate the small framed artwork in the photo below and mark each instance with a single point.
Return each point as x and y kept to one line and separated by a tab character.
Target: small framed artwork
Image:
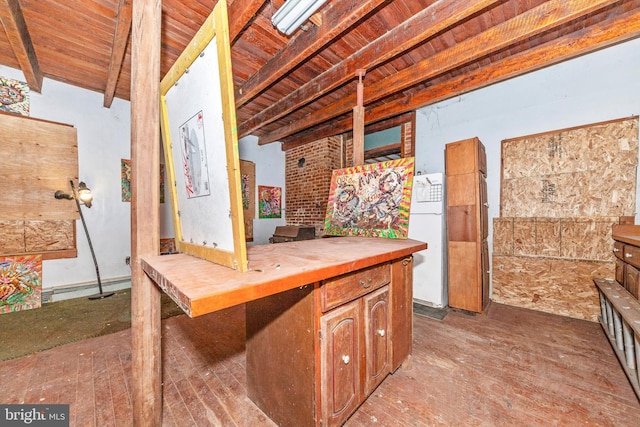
248	184
371	200
269	202
200	143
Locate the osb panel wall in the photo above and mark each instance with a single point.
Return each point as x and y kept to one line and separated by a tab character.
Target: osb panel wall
544	263
52	239
38	158
561	192
579	172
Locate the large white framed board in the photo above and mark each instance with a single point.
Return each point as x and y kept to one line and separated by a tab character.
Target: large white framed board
201	147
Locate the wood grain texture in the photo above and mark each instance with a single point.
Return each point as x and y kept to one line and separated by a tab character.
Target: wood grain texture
608	32
20	39
145	222
45	151
508	367
200	287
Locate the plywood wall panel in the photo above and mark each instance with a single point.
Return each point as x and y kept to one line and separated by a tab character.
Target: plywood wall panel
587	239
524	236
38	158
12	241
556	286
561	192
548	237
45	236
575	172
503	236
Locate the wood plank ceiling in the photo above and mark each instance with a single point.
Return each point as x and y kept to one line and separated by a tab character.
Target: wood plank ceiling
301	88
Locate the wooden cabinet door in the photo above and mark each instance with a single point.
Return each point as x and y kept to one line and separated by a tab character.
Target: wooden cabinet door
631	280
402	311
340	363
376	329
620	271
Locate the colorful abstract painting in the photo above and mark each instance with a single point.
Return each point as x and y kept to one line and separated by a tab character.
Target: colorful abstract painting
269	202
168	246
371	200
125	179
244	183
20	283
14	96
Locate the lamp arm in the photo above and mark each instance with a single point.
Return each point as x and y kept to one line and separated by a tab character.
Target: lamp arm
86	231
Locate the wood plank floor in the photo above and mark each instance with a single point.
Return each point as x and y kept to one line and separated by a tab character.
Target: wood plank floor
507	367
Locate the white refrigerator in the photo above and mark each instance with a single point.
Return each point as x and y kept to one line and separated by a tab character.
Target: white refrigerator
427	223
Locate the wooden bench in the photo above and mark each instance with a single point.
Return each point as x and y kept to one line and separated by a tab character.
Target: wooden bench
620	319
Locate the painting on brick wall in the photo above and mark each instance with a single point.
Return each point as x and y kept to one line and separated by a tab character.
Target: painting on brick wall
269	202
20	283
371	200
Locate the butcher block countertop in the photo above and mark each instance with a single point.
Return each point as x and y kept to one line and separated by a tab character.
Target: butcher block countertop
627	233
200	287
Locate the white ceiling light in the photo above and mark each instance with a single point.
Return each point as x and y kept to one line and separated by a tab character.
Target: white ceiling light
293	13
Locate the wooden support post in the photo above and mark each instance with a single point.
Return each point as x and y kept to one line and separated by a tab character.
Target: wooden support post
145	222
358	122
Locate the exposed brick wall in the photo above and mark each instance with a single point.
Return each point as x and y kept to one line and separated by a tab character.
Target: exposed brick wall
308	185
348	149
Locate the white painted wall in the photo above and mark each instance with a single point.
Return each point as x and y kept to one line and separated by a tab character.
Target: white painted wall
270	171
103	139
601	86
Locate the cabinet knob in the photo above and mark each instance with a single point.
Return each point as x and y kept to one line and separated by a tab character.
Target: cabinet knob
486	204
628	255
616	250
366	284
381	332
346	359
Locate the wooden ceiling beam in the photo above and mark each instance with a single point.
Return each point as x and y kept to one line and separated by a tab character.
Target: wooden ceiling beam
547	16
241	13
120	40
422	26
339	16
344	125
20	40
615	30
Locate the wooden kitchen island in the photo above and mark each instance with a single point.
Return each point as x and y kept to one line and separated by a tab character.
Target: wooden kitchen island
327	319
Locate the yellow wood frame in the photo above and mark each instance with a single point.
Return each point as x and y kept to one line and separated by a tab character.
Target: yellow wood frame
216	26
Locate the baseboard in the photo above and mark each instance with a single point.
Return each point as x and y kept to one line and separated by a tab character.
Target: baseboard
79	290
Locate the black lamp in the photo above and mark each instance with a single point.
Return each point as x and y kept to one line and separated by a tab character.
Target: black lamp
83	194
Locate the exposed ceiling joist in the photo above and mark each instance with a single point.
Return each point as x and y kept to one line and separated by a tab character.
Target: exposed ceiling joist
610	32
16	29
547	16
299	89
339	16
241	12
120	39
432	20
